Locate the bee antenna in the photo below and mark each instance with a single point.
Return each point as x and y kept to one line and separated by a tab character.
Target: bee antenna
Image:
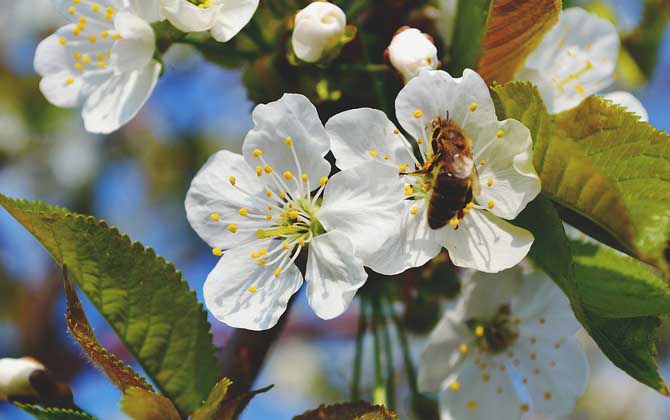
447	115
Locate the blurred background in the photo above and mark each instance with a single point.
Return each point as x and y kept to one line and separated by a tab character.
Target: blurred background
137	179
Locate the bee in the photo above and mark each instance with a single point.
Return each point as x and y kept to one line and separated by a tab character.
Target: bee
455	180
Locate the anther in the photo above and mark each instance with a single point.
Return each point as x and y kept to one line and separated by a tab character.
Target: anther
489	182
261	262
277	272
482	162
257	153
288	175
491	204
232	180
396	131
232	228
463	348
409	190
304	177
259	170
252	289
323	181
289	141
500	134
267	169
479	331
217	251
215	216
418	113
454	222
413	211
472	405
244	212
404	167
580	89
473	107
455	386
373	153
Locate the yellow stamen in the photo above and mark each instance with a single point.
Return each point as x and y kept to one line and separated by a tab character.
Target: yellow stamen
413	211
418	113
288	175
232	227
473	107
323	181
215	216
277	272
259	170
491	204
267	169
409	190
304	177
479	331
257	153
500	134
373	153
252	289
217	251
455	386
288	140
244	212
232	180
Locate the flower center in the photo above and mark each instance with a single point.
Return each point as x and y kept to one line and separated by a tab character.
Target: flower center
203	4
90	41
495	334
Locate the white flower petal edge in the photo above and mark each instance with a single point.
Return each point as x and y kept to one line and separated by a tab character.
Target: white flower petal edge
575	59
265	208
15	377
224	19
628	101
103	61
317	29
534	348
334	274
502	155
243	294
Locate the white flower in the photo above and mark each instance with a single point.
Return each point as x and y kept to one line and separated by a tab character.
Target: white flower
411	51
102	62
577	58
318	29
224	18
15	377
258	207
508	346
477	237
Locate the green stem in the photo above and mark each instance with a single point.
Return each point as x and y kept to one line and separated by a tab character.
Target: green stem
388	353
406	354
379	390
358	357
364	68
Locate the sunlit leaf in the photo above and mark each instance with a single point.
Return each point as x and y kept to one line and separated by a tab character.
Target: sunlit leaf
608	171
513	30
628	342
220	406
613	285
143	297
359	410
141	404
41	413
119	373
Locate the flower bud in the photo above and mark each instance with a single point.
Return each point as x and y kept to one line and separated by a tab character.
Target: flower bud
15	377
318	31
411	52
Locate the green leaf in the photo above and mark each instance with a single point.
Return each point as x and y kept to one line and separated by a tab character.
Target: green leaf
468	35
513	31
120	374
41	413
221	407
608	171
359	410
644	42
628	342
141	404
613	285
143	297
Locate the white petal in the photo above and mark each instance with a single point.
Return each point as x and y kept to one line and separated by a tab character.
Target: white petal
479	399
630	102
15	377
232	17
333	275
188	17
61	83
85	9
149	10
436	93
291	116
412	244
575	59
119	99
136	49
412	52
364	135
483	294
556	377
442	358
486	243
228	295
364	203
506	163
317	28
212	193
543	309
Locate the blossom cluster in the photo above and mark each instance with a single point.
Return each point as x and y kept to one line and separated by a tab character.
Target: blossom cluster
450	175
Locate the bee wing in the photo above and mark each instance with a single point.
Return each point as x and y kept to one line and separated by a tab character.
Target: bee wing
461	166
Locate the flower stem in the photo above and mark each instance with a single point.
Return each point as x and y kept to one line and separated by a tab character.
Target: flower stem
364	68
379	390
358	357
388	355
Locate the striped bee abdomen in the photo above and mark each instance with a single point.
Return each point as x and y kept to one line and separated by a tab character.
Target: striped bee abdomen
449	196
